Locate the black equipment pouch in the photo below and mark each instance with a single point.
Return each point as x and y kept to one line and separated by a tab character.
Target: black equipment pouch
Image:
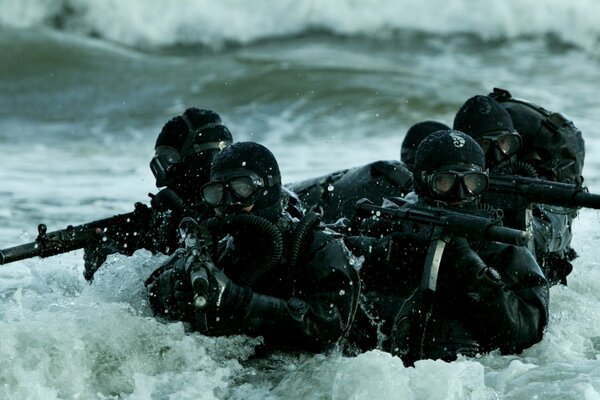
550	140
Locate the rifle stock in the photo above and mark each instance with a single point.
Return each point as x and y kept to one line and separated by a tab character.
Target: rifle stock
542	191
47	244
453	223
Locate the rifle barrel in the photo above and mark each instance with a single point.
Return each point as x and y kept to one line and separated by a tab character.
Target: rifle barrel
454	222
544	191
73	237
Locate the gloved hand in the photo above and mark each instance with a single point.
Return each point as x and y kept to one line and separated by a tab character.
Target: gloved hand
222	295
95	255
182	294
170	292
464	269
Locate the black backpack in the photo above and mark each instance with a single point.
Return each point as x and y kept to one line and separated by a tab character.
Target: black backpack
551	143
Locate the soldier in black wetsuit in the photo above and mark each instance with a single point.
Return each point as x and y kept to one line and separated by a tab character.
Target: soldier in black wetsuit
488	296
509	151
184	151
270	271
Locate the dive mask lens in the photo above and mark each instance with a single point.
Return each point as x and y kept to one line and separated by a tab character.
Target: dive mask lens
163	163
243	187
475	182
212	193
241	190
446	183
443	183
509	144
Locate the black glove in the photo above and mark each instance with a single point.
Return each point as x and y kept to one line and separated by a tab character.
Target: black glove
170	292
222	295
464	269
183	294
95	255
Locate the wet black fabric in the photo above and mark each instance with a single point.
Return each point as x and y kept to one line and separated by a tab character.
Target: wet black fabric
334	196
256	158
203	125
445	148
197	136
551	228
481	115
551	142
307	308
414	136
449	147
494	297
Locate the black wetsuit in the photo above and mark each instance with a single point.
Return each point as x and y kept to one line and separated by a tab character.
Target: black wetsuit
334	196
495	297
305	307
551	228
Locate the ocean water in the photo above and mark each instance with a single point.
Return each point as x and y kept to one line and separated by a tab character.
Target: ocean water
85	88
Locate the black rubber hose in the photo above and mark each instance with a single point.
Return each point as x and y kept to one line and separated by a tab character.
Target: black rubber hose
304	226
300	232
167	197
520	168
271	233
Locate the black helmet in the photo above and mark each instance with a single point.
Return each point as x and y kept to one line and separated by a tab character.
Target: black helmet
186	146
413	138
244	174
485	120
449	166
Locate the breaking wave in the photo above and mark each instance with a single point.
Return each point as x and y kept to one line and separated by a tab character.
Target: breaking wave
214	24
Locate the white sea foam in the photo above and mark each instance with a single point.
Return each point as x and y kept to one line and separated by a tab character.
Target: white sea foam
213	23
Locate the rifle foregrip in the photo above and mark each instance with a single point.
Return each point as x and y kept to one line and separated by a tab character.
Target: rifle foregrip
507	235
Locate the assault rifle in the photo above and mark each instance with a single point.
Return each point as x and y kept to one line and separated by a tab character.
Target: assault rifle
120	227
444	223
196	243
452	223
542	191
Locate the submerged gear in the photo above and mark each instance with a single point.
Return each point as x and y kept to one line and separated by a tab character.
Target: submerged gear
414	136
186	146
550	140
249	159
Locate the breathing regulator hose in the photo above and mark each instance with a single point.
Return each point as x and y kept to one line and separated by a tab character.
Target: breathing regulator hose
167	199
268	231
